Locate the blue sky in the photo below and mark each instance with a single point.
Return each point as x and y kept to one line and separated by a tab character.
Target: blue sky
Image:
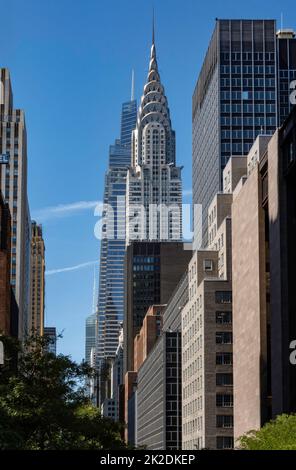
70	62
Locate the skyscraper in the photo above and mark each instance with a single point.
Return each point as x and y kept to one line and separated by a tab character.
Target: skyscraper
234	100
37	280
13	142
90	335
286	57
5	240
50	332
111	281
154	187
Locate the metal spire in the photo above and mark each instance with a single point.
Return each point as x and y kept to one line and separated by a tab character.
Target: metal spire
153	27
133	86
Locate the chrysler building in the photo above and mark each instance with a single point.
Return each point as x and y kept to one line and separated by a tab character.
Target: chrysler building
154	186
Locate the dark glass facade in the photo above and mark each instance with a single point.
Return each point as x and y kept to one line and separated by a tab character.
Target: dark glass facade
235	99
152	273
286	70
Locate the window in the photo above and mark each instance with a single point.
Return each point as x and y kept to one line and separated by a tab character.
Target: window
224	400
223	337
208	265
224	380
224	358
223	297
224	421
224	318
224	442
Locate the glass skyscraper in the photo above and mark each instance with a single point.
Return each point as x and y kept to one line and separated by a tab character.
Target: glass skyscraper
286	41
235	99
111	281
90	335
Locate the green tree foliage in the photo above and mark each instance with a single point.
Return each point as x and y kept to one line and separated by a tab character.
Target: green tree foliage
279	434
43	405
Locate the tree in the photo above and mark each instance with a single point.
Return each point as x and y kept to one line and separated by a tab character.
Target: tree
43	405
279	434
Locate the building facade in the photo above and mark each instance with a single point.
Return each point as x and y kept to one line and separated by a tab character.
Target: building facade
263	280
159	404
235	99
154	186
50	332
111	275
5	254
90	335
159	387
282	233
13	142
37	267
117	380
207	339
286	70
152	272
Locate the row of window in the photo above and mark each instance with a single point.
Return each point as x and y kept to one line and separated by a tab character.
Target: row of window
248	69
248	95
251	56
248	121
248	82
248	108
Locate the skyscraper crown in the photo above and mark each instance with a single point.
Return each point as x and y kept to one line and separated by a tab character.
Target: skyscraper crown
154	107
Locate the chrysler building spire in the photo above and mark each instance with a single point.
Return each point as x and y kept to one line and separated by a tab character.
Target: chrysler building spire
154	180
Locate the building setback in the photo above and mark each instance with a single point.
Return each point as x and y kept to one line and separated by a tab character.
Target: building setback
13	142
37	266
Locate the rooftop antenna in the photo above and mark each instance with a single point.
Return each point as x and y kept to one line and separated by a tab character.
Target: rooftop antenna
94	293
133	86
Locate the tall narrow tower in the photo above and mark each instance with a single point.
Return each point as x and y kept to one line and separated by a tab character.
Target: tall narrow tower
111	274
36	324
154	187
13	184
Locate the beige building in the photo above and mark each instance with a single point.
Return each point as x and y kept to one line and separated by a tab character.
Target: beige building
37	280
13	184
251	317
207	382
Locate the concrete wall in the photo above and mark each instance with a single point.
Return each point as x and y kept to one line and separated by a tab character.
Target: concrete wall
249	307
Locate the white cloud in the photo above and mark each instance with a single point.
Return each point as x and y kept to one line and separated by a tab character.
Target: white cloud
70	268
187	192
63	210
